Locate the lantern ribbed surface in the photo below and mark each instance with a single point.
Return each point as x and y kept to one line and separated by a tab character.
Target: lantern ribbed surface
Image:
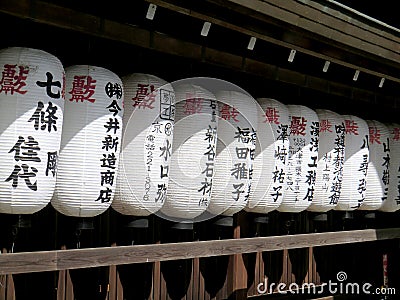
392	203
271	157
31	118
355	164
331	159
377	187
303	158
91	142
237	135
193	152
146	146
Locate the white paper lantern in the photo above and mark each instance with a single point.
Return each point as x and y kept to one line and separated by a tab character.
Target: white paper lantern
91	142
237	135
193	153
146	146
392	203
31	118
271	157
303	158
331	159
355	165
378	167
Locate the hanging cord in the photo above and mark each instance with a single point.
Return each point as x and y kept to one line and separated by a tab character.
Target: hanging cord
14	232
78	238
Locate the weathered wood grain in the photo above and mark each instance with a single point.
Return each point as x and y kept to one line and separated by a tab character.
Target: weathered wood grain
25	262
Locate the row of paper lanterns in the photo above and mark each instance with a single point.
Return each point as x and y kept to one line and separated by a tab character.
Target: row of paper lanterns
84	139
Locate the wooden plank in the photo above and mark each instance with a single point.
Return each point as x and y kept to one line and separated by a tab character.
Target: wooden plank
61	285
112	281
86	23
7	289
69	294
112	284
300	15
237	273
155	293
196	279
287	39
202	286
191	279
380	29
332	18
39	261
10	288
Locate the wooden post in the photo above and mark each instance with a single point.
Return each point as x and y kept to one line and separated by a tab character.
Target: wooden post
237	273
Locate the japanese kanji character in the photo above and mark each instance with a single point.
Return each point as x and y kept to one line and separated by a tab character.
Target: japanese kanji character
145	96
239	171
241	152
166	150
113	89
298	126
325	126
114	108
271	115
277	193
278	175
310	194
47	118
26	150
210	134
374	135
112	124
161	193
228	113
11	81
243	135
83	88
107	177
237	191
210	153
206	186
164	171
48	84
105	195
396	134
310	177
26	175
283	134
209	170
109	160
110	143
351	127
52	158
193	106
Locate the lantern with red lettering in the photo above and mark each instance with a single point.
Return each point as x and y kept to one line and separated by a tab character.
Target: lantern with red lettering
303	158
146	146
377	180
233	165
191	170
392	203
331	159
91	142
31	118
355	164
271	157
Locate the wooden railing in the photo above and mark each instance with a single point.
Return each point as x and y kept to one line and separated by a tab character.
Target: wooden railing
40	261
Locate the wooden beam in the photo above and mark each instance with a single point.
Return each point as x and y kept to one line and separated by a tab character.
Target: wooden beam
134	35
370	42
96	26
326	21
26	262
